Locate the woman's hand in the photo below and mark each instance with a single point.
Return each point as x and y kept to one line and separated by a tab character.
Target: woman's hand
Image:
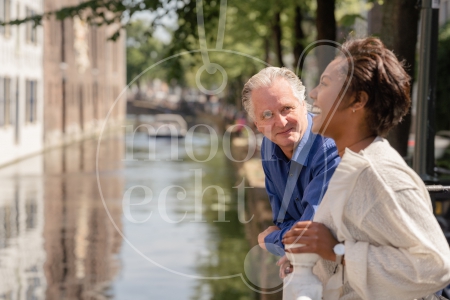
316	238
285	266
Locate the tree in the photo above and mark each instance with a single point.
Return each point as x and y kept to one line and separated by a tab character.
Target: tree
299	34
102	12
326	30
399	33
277	36
267	30
142	51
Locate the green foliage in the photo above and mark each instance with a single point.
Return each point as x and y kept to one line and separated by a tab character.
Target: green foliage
444	161
248	28
227	246
443	80
349	20
143	51
100	12
248	31
245	31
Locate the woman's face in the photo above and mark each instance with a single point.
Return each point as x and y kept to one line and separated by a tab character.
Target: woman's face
328	106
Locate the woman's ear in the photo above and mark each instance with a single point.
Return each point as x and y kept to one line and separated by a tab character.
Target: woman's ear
360	100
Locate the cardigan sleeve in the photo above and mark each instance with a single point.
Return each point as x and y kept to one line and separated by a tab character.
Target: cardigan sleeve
410	257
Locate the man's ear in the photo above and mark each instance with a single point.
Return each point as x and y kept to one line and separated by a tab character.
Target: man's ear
360	101
256	125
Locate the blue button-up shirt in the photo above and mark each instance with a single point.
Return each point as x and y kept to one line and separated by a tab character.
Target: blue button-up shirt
316	158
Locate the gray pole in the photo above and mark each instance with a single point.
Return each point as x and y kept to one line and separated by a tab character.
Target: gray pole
423	93
432	86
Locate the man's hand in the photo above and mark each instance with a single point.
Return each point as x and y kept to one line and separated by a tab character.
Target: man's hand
285	266
316	238
265	233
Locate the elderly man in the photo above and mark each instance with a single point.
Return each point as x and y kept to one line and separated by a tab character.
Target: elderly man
297	164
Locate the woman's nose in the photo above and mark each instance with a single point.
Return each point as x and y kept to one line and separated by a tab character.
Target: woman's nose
313	93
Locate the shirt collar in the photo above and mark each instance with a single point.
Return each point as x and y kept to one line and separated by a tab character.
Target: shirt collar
301	152
302	149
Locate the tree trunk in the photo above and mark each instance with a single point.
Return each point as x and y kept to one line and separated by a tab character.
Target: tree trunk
267	50
277	35
399	33
299	35
374	19
326	30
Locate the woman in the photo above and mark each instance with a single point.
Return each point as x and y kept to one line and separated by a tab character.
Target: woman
377	212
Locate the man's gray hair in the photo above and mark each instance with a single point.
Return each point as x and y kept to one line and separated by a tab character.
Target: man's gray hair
265	78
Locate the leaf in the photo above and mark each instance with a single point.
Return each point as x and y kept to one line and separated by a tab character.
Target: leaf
350	19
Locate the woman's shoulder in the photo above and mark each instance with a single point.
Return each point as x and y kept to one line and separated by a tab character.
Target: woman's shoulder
391	169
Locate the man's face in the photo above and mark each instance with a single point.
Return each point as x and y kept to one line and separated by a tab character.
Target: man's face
279	115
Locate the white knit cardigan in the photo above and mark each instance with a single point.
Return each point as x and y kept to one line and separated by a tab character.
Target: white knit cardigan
381	210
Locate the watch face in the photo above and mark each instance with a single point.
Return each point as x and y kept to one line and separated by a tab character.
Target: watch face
339	249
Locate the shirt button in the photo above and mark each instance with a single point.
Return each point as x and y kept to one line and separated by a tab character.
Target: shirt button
291	174
296	199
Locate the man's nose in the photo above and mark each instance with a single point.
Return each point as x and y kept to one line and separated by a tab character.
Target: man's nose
280	120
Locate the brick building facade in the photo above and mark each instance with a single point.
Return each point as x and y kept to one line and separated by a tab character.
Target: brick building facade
84	74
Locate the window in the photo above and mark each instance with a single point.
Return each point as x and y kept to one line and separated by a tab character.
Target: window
2	15
2	101
115	47
17	27
81	105
7	103
31	33
94	46
31	210
31	101
51	31
16	111
5	16
95	99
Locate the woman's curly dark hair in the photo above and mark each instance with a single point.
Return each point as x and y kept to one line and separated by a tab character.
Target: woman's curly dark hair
378	72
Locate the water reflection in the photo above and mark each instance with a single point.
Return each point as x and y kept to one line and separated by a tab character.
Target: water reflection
22	255
80	242
181	244
57	240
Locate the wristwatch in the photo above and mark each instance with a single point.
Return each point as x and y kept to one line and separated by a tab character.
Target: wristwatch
339	250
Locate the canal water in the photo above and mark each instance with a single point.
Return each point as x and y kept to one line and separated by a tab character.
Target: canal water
126	218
